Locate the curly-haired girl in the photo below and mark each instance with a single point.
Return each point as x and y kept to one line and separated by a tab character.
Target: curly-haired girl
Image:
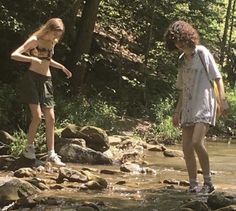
196	107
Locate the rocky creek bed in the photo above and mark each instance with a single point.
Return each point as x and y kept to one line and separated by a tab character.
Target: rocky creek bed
119	172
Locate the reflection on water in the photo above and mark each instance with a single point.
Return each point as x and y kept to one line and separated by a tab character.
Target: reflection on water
147	192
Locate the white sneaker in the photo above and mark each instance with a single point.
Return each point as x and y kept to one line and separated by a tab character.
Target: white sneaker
55	159
207	189
29	152
194	189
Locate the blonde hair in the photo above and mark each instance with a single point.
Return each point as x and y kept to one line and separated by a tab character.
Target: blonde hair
53	24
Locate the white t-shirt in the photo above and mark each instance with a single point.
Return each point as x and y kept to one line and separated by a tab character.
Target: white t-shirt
198	101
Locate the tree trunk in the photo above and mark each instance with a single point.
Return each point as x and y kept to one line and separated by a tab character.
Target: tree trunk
83	43
147	50
232	21
225	34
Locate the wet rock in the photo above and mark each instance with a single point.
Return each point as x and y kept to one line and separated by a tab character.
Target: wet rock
184	183
85	208
89	205
71	131
39	183
114	140
156	148
173	153
196	205
228	208
147	170
6	161
71	175
23	162
57	187
12	189
77	154
97	183
24	172
60	142
40	169
130	167
108	153
199	171
120	182
96	138
112	172
171	181
130	156
89	169
220	200
6	138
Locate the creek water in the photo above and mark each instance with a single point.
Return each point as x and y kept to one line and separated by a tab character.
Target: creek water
147	192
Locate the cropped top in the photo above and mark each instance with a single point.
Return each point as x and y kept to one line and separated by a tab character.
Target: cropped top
44	50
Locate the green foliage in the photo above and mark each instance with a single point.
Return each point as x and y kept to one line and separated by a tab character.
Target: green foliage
82	111
20	140
11	112
162	114
227	122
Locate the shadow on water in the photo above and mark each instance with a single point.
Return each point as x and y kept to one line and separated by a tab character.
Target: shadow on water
147	192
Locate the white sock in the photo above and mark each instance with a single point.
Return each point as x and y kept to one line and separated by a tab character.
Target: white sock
51	152
193	182
207	179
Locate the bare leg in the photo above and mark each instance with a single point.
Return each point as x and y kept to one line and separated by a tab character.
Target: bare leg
36	118
50	121
189	155
199	133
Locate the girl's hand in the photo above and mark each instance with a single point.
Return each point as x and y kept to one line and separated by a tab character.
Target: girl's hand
224	106
176	119
36	60
67	72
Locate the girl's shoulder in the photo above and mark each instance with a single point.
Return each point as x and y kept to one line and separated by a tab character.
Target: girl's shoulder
202	49
33	40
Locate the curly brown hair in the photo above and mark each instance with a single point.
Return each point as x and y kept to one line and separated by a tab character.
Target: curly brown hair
181	31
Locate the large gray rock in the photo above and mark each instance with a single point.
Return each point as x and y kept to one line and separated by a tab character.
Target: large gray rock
220	200
95	138
77	154
12	189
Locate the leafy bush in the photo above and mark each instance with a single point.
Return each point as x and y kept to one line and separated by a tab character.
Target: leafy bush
226	123
82	111
20	140
162	114
12	113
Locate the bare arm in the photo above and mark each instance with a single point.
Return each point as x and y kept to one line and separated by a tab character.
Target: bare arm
18	54
57	65
176	116
223	101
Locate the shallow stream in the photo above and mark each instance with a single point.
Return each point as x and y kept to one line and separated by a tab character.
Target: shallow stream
147	192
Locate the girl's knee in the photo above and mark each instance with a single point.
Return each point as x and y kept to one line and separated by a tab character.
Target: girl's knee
50	119
36	118
188	153
198	145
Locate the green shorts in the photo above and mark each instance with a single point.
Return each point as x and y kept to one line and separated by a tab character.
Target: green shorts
35	88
